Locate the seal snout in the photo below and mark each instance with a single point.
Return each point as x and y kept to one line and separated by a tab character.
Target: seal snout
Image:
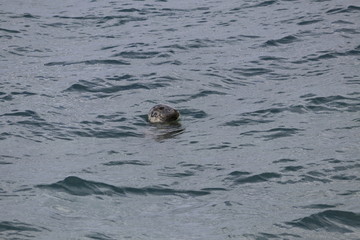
162	114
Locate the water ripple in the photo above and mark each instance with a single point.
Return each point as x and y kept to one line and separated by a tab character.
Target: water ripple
329	220
80	187
90	62
19	227
284	40
109	88
238	177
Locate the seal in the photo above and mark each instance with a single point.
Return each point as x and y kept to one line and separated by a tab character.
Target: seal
163	114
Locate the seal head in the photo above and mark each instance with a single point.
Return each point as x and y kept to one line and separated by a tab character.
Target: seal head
163	114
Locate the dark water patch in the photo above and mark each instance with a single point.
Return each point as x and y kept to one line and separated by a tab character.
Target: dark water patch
319	206
138	55
350	193
109	47
292	168
90	62
205	93
129	10
99	236
238	177
171	62
24	93
196	167
103	133
250	72
17	226
344	177
329	220
199	43
285	160
26	113
108	88
347	30
267	236
161	132
112	117
126	162
349	9
9	30
126	77
343	22
260	4
284	40
4	162
308	22
89	123
274	133
333	103
29	119
25	15
175	47
227	79
193	113
246	121
186	173
92	19
326	55
80	187
272	58
311	178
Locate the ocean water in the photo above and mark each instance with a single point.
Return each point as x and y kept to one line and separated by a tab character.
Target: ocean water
268	145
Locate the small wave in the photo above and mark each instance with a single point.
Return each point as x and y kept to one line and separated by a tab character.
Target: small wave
261	4
349	9
26	113
99	236
246	121
80	187
205	93
333	103
275	133
308	22
186	173
292	168
108	88
90	62
199	43
126	77
193	113
325	55
103	133
9	30
19	227
238	177
25	15
329	220
319	206
128	162
284	40
200	94
250	72
138	55
284	160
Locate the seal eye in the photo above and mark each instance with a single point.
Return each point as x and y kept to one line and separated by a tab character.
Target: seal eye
161	108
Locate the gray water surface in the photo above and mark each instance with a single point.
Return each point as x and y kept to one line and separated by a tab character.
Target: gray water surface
268	142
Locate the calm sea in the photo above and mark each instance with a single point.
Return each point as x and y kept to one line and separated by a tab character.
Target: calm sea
268	146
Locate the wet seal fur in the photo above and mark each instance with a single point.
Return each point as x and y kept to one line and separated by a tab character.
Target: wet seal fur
163	114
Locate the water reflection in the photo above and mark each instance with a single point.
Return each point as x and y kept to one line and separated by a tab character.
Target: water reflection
163	131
